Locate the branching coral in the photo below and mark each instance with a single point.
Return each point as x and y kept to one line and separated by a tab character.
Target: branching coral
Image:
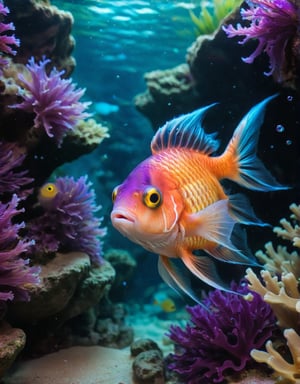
6	41
274	23
53	100
219	341
12	179
291	231
15	273
68	222
210	19
282	367
282	295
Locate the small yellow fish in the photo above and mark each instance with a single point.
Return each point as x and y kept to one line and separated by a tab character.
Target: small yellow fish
173	203
165	302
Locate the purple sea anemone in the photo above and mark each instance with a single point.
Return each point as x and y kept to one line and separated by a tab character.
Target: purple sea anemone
68	222
12	178
273	23
218	341
6	41
54	100
15	273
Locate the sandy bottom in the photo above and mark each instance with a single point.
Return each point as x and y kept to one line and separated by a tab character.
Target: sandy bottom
76	365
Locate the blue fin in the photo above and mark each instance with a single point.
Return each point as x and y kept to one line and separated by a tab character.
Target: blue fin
176	278
251	172
185	132
240	208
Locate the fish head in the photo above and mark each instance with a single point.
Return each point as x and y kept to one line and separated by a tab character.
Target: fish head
147	205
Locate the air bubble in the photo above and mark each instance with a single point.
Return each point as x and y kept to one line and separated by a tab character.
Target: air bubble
289	98
279	128
288	142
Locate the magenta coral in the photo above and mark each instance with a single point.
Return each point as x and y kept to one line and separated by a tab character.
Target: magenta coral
68	222
273	23
15	272
6	41
218	341
12	178
53	100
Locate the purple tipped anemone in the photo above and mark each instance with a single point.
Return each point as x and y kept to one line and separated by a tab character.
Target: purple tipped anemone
6	41
68	222
12	178
53	100
218	341
15	272
274	23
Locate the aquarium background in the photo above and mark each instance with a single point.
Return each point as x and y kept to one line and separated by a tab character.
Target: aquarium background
116	43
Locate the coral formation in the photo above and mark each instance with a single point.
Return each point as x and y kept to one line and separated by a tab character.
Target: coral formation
284	369
219	340
53	100
68	222
7	42
16	274
275	25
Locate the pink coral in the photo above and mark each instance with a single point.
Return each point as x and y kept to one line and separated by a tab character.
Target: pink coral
6	41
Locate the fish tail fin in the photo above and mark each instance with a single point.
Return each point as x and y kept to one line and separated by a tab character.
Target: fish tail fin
239	158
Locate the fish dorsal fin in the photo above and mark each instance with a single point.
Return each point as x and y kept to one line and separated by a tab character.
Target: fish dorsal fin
185	132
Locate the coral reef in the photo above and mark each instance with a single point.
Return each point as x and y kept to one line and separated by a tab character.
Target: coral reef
275	24
53	100
7	42
218	341
68	221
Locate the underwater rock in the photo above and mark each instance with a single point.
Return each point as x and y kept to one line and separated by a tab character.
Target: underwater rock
142	345
12	341
65	280
111	327
170	92
148	367
125	266
43	30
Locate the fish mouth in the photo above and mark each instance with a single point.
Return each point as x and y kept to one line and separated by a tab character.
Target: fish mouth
121	217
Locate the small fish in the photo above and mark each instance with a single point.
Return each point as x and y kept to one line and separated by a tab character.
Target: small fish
173	202
164	302
47	194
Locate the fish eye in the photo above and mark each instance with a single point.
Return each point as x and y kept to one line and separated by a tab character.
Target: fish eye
48	191
152	197
114	194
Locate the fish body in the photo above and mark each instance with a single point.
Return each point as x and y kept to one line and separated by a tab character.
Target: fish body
163	301
173	203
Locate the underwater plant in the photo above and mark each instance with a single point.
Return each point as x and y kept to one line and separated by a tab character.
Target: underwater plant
68	222
218	341
15	272
53	100
6	41
273	23
12	180
211	16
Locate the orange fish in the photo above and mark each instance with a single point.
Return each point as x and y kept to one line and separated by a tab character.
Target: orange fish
173	202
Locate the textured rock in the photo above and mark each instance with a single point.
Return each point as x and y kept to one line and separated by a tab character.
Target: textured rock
59	280
148	367
142	345
12	341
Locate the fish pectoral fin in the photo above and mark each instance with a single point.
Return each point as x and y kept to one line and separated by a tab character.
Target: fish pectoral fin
204	268
176	278
214	223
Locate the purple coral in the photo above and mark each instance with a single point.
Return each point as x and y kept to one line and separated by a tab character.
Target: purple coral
54	100
15	273
12	178
219	340
273	23
6	41
68	222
